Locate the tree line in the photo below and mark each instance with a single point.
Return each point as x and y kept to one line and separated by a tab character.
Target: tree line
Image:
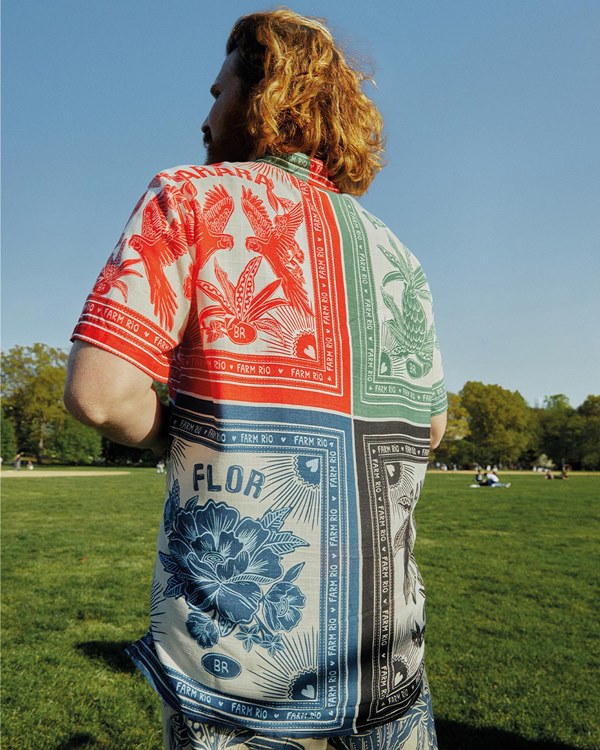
487	424
35	422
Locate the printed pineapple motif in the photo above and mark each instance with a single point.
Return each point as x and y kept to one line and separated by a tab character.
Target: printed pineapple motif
240	313
414	341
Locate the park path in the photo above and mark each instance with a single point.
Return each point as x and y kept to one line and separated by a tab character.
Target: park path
11	474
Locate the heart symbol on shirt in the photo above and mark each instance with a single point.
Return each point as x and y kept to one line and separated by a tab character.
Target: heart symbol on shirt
309	351
313	464
309	691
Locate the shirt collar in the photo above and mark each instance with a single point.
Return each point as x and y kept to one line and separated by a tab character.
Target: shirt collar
305	168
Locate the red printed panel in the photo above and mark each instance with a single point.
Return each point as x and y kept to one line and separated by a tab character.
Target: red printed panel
270	315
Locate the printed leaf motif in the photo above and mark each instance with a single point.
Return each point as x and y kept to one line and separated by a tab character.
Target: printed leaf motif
273	644
293	573
175	587
169	564
286	542
254	578
272	327
274	519
212	291
191	503
392	276
114	271
171	506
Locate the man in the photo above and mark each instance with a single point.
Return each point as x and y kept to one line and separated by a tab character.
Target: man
296	334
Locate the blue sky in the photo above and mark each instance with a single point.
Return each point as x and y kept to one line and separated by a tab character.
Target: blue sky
492	113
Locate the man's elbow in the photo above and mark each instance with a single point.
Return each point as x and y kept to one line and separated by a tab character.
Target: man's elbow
84	407
438	428
101	389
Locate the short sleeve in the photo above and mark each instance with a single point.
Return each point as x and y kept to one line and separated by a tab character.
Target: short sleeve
439	397
435	378
140	303
428	362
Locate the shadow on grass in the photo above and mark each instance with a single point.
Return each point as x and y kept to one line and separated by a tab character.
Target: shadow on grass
112	653
451	736
76	741
455	736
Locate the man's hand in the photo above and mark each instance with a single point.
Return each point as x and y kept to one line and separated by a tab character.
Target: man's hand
115	397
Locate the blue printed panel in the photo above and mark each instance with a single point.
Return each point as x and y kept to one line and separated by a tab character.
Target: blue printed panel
258	571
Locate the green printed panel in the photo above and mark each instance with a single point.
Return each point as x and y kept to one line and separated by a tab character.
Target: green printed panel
391	336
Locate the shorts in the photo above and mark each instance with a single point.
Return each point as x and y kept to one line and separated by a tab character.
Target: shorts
413	731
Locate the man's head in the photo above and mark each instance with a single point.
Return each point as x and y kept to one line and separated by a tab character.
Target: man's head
225	129
295	92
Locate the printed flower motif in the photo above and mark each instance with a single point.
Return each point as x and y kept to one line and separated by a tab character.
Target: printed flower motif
273	644
220	561
223	560
249	636
202	629
282	606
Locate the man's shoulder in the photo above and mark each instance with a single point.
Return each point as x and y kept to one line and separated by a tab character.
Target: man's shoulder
379	233
194	172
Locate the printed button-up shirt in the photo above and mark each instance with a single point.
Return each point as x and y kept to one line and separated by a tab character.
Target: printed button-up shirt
296	334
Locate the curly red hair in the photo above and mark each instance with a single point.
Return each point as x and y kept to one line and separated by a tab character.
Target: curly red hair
304	96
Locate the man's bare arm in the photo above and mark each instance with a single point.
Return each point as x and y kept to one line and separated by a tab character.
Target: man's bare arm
438	427
114	396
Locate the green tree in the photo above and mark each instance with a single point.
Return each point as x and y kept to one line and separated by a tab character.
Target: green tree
590	407
451	449
500	423
561	429
8	437
33	380
589	412
557	402
74	443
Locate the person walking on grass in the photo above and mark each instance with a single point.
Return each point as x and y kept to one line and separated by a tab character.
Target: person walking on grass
296	334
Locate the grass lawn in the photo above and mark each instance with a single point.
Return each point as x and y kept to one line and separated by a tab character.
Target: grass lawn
513	633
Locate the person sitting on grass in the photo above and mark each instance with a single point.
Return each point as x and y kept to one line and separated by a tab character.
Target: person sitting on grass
490	479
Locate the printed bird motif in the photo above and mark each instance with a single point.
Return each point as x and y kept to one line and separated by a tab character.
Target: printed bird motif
112	273
274	240
159	245
405	540
202	225
181	201
211	220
